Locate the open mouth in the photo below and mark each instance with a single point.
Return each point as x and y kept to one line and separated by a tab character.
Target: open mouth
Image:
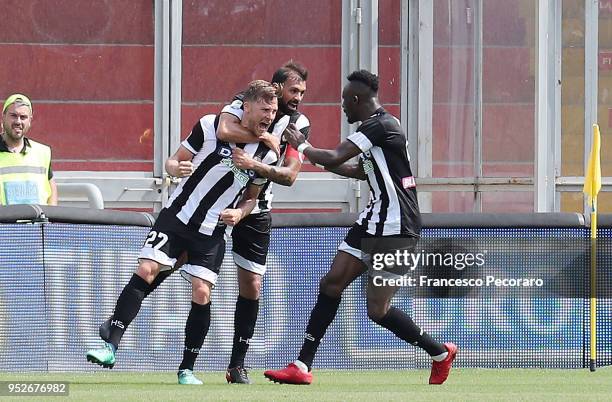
263	126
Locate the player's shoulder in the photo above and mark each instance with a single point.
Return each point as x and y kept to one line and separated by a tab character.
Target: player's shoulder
236	104
379	121
235	107
237	101
387	118
300	120
208	119
371	124
208	123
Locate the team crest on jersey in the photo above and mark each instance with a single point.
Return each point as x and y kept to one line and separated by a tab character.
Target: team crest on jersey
224	151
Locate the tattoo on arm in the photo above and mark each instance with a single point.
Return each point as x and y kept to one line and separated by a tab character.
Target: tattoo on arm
278	177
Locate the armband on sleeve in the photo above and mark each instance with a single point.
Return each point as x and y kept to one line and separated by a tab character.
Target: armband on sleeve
293	153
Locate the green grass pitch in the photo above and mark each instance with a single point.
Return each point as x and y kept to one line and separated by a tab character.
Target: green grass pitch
371	386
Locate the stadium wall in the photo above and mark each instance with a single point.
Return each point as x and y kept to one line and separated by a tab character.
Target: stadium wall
63	268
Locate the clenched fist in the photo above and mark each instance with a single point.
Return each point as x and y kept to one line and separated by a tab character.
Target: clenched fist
184	169
241	159
231	216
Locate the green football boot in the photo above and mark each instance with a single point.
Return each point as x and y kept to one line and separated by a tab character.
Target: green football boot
186	377
104	356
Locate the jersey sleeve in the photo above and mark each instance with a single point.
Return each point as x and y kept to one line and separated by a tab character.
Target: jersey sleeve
369	134
195	140
235	108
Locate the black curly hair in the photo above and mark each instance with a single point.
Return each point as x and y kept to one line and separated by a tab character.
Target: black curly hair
365	77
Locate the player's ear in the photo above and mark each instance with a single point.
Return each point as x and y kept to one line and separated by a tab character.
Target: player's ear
355	99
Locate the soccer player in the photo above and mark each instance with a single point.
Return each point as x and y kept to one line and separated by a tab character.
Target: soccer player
251	236
194	221
392	212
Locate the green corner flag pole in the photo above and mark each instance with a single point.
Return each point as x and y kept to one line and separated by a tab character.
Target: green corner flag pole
592	185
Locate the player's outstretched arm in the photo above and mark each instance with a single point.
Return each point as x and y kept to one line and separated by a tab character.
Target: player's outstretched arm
347	169
230	130
325	157
231	216
179	164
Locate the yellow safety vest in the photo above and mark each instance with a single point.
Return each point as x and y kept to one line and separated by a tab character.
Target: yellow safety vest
24	177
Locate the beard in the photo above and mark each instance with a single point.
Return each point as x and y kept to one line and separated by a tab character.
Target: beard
15	135
284	108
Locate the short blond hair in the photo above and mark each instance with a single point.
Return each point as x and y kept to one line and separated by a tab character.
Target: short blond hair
262	90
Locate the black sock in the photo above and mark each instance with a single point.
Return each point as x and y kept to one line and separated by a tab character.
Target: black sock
105	328
404	328
127	308
322	315
245	318
158	281
196	329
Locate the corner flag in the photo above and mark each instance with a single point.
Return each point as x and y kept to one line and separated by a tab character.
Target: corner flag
592	177
592	185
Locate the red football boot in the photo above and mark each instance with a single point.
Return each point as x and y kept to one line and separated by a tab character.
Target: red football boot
440	370
289	375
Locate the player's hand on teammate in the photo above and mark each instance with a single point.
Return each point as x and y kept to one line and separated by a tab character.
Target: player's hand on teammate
231	216
184	169
293	136
242	159
271	141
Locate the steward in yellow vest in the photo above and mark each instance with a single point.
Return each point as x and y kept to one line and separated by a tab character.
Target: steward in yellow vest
25	165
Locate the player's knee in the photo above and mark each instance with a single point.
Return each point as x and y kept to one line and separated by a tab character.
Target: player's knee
200	291
147	270
331	286
377	309
251	290
250	284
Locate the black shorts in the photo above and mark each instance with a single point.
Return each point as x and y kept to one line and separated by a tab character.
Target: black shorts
169	238
365	246
251	240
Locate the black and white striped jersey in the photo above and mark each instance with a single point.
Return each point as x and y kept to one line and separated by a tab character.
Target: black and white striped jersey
264	202
216	183
393	207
